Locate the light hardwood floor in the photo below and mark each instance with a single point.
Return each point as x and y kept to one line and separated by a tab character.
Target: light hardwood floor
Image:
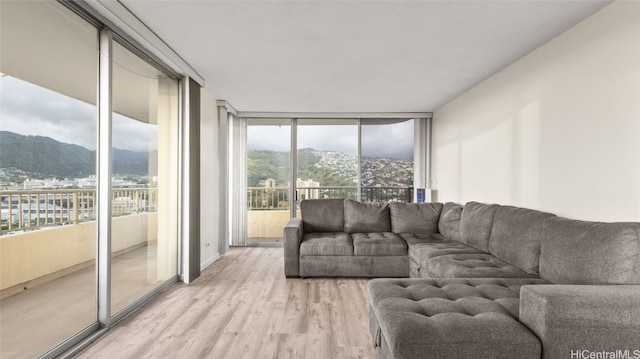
242	306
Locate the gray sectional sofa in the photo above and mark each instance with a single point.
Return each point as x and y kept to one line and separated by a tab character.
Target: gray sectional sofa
487	281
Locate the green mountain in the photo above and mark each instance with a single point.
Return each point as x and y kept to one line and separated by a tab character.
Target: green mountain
131	162
262	165
46	157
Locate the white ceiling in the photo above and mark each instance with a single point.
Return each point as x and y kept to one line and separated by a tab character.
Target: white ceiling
353	56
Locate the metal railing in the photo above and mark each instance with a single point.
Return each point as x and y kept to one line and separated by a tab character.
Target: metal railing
31	209
387	194
269	198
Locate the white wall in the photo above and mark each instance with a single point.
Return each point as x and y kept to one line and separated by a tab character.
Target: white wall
559	130
209	196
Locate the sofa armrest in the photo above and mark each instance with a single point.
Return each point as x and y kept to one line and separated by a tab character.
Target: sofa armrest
582	319
293	232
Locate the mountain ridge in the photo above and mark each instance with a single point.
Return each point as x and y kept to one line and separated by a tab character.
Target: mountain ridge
47	157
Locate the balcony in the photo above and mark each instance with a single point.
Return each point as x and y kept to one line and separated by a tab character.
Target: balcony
47	267
32	209
268	207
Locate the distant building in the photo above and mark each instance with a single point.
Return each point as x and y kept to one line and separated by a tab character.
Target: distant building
304	189
269	183
88	182
30	184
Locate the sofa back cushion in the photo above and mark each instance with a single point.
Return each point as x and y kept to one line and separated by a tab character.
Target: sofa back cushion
417	218
449	223
362	217
475	224
516	236
579	252
322	215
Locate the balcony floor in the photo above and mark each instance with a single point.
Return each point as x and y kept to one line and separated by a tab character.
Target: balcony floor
39	318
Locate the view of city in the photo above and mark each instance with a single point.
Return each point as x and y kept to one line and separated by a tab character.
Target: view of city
329	168
44	181
327	162
32	162
325	174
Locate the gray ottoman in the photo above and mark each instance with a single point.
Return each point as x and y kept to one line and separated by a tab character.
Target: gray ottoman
450	318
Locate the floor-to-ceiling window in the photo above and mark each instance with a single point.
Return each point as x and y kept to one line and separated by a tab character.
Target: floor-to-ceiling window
386	164
48	130
144	178
327	159
368	159
268	179
51	131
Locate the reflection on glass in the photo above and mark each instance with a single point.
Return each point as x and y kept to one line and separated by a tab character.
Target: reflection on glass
145	161
47	176
268	180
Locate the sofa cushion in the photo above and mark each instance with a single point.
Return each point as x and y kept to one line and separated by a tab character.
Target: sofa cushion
322	215
362	217
417	238
449	223
419	218
450	318
378	244
516	236
475	224
326	244
473	265
580	252
422	253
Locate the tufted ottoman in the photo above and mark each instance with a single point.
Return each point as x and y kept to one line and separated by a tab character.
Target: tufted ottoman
450	318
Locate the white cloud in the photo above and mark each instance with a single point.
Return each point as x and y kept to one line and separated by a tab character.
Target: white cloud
32	110
389	141
329	138
28	109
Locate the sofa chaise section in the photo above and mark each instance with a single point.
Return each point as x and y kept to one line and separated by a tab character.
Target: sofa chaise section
449	318
588	298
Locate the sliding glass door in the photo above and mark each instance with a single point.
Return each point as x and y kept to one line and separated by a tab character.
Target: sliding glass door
144	219
268	179
48	130
54	283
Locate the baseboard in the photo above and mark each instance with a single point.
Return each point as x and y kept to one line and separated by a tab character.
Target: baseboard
209	262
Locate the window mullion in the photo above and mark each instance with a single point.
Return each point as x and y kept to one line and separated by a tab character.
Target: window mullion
104	177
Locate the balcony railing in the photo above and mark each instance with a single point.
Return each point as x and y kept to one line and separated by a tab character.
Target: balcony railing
31	209
264	198
387	194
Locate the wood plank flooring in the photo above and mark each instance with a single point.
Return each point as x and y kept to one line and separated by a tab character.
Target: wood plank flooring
242	306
